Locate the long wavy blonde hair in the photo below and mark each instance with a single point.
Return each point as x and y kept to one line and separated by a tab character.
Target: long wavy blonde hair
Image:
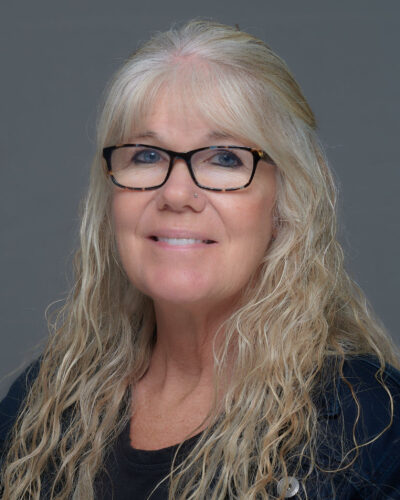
300	311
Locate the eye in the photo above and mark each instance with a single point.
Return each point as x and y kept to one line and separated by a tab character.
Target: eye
226	158
146	156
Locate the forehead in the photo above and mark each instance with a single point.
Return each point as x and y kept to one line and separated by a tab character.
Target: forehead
181	128
189	109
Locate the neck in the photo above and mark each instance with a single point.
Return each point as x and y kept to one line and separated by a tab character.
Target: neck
182	360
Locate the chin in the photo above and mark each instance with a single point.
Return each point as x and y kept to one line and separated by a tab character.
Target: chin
179	295
186	287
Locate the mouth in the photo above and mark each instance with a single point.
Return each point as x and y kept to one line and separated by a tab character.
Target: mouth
182	241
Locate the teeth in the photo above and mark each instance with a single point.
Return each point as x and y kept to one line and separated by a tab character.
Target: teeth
180	241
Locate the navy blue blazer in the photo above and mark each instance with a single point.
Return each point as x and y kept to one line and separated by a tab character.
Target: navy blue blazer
375	473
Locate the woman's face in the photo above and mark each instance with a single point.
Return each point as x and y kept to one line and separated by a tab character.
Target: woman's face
238	223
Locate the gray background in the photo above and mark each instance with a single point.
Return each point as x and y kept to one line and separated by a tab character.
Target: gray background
56	58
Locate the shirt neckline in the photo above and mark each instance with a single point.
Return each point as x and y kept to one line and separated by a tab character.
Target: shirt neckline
163	456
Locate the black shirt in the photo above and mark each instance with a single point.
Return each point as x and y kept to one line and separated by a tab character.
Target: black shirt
133	474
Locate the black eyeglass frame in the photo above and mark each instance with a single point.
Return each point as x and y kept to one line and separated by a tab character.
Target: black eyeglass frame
258	154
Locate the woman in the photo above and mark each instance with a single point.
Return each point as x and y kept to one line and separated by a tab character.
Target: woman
213	346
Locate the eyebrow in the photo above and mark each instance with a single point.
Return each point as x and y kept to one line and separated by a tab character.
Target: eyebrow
219	135
149	134
145	135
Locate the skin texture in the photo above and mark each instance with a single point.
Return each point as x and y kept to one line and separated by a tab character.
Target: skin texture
194	287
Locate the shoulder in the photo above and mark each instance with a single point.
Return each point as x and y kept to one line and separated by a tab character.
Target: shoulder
364	370
375	394
363	410
11	404
362	379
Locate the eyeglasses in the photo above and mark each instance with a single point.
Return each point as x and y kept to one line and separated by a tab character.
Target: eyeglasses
141	167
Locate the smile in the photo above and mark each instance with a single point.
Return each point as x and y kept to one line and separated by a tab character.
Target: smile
181	241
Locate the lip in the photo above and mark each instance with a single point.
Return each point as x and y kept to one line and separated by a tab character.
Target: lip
203	239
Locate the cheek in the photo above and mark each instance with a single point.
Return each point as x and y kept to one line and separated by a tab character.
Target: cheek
125	219
258	232
125	210
253	217
251	232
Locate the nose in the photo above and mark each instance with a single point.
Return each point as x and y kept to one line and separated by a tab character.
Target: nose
180	193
